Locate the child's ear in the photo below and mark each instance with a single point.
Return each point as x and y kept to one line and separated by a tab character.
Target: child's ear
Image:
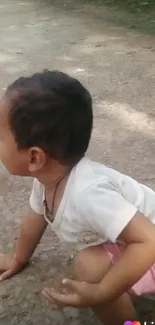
37	159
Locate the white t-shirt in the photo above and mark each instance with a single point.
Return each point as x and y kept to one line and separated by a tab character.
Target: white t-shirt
97	204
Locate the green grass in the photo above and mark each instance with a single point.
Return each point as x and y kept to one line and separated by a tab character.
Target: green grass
135	5
132	14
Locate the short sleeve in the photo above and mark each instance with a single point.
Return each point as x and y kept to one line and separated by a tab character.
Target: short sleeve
105	210
36	198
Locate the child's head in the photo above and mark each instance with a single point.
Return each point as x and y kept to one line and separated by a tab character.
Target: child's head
45	117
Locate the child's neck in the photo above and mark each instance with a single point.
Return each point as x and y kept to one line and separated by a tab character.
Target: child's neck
53	174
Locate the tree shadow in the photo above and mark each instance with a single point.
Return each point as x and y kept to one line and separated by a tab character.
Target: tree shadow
113	14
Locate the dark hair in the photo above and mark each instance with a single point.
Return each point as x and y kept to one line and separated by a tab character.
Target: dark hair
53	111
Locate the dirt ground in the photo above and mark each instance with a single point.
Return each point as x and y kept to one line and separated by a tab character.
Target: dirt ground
118	66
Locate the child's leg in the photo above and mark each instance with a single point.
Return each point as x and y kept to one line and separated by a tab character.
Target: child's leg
91	265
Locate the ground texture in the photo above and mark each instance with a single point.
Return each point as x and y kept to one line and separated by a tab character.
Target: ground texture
118	66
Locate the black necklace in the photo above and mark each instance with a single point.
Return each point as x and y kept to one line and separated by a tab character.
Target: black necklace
49	213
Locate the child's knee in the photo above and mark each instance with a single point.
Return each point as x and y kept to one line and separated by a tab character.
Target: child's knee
91	264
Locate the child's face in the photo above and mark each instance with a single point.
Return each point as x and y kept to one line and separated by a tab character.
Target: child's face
23	162
15	160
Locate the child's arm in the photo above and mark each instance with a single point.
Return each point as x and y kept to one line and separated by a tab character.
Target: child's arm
139	235
32	228
138	257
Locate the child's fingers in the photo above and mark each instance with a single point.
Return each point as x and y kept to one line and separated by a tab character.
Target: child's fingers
64	299
65	291
75	286
7	274
47	296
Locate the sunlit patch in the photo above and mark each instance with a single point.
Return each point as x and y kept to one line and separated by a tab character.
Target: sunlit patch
127	115
23	4
5	58
79	70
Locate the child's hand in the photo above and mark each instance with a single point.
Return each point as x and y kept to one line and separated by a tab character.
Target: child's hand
83	294
9	265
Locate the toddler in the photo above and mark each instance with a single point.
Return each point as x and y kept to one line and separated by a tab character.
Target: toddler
45	127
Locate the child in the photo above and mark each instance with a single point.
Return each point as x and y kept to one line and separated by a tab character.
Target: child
45	128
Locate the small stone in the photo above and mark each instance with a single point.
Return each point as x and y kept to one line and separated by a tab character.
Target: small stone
5	296
37	292
30	278
98	45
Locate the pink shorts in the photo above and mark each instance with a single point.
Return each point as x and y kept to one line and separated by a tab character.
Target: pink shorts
146	284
